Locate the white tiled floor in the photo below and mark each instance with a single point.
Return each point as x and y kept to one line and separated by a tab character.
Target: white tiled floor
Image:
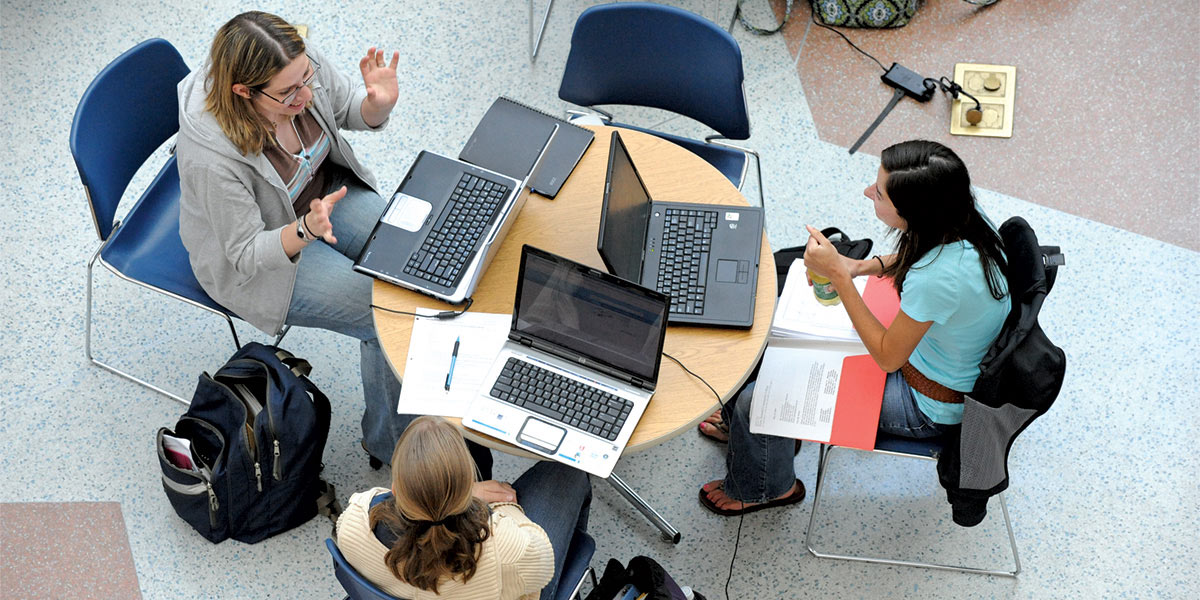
1104	488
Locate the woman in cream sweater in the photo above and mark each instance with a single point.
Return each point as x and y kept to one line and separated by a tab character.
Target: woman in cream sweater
439	533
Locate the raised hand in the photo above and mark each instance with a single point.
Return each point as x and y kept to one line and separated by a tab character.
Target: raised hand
382	88
317	220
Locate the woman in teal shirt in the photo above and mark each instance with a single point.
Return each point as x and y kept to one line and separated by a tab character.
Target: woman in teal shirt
949	269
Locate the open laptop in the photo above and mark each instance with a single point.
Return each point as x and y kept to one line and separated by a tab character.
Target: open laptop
704	256
444	224
579	367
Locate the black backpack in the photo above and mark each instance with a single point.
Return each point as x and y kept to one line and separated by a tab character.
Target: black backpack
257	430
1020	377
857	249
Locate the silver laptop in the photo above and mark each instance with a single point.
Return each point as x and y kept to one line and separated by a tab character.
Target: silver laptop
444	224
579	367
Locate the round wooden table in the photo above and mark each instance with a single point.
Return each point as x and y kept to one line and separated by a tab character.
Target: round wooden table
568	225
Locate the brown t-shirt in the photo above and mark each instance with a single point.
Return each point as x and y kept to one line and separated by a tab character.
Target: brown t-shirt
303	174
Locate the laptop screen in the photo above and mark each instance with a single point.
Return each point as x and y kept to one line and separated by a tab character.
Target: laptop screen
625	216
590	313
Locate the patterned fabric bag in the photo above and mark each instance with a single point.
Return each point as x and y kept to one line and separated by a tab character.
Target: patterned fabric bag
865	13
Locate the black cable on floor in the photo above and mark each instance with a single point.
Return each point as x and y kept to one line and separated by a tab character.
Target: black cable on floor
737	540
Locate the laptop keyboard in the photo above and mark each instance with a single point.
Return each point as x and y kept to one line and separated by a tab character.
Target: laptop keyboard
450	245
683	258
562	399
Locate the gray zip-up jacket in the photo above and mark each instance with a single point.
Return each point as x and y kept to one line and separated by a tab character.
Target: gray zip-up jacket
232	207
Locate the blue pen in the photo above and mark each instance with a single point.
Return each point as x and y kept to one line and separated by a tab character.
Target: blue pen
453	359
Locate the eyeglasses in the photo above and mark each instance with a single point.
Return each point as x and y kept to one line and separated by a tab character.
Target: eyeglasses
291	97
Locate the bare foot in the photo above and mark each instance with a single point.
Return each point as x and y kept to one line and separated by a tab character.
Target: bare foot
715	490
715	428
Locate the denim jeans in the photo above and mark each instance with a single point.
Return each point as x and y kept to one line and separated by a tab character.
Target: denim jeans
900	415
759	467
557	498
330	295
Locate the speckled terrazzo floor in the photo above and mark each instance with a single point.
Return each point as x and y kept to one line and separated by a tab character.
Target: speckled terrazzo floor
1104	488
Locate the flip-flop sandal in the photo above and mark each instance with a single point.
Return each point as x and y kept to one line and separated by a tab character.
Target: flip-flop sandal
722	427
794	498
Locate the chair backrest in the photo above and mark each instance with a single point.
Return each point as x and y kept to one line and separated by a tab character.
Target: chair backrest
355	584
126	114
658	56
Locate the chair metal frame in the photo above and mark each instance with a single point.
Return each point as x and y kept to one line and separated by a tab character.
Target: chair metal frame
822	466
168	170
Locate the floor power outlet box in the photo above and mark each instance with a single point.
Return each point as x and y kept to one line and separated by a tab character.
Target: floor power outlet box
995	86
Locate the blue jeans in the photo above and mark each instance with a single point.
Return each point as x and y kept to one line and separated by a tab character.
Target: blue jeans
330	295
557	498
759	467
900	415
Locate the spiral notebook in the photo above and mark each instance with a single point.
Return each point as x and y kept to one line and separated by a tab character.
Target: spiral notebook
509	139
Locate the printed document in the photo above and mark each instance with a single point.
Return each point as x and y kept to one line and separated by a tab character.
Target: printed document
480	337
797	389
799	315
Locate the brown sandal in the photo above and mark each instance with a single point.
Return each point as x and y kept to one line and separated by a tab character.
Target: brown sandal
796	496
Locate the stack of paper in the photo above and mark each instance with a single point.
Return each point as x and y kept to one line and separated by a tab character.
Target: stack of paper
798	315
429	388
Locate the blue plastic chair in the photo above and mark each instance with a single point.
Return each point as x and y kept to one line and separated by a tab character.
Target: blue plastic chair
126	114
663	57
926	449
577	568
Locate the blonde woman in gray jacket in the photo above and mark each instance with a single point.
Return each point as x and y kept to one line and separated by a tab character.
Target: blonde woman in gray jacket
274	206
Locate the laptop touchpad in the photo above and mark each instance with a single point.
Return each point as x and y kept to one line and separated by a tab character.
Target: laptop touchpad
541	435
406	212
727	271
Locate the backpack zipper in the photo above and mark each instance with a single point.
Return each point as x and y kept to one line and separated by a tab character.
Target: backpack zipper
277	462
194	489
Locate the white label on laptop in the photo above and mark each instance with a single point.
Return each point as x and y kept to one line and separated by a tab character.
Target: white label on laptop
406	212
732	216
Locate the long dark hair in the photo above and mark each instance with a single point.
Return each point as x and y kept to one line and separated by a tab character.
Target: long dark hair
931	190
440	525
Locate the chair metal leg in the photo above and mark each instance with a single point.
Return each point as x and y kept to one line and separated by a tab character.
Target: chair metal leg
822	470
535	44
669	533
282	332
87	337
577	594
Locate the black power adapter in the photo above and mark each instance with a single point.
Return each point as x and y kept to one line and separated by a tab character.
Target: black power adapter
911	82
907	83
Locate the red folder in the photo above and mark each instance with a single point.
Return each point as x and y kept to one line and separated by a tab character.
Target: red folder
859	396
880	296
860	391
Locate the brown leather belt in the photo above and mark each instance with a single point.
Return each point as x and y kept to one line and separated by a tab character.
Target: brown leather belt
929	387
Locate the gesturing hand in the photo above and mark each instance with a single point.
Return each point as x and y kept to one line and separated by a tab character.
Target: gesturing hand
493	491
380	79
317	220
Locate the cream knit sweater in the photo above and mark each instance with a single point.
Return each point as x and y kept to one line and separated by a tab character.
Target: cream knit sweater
514	563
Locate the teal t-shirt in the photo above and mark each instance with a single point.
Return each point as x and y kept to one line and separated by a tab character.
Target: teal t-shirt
947	286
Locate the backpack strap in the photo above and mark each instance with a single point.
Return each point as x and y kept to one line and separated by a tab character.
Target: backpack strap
328	505
299	366
1052	259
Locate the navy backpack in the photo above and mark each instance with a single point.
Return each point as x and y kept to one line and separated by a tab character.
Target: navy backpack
244	461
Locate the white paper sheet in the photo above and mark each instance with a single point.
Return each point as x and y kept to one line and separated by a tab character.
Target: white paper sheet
480	335
799	315
796	392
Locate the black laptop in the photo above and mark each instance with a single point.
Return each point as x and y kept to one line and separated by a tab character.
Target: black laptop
704	256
